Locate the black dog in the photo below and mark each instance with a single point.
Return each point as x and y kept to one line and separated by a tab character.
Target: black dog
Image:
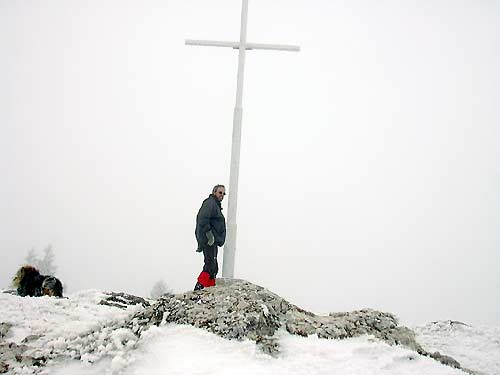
29	282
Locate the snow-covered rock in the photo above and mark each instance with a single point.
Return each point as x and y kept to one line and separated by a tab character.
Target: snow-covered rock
41	330
242	310
482	344
110	331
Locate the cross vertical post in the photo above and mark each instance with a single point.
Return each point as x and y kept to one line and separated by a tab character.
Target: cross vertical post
242	46
234	172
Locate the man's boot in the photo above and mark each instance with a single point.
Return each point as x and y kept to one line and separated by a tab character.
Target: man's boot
198	286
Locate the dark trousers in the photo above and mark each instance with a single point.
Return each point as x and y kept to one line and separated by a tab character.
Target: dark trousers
210	258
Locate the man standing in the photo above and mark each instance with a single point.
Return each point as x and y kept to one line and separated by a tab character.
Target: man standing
210	233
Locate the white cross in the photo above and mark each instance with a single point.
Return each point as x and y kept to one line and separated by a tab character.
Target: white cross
242	46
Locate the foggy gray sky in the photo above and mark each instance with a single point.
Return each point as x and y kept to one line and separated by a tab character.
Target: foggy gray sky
369	165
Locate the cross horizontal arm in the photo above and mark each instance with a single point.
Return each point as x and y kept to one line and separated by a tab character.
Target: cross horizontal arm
236	45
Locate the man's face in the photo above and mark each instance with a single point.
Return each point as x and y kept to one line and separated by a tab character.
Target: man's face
219	193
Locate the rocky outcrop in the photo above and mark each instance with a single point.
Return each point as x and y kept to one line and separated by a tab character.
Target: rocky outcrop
239	309
234	310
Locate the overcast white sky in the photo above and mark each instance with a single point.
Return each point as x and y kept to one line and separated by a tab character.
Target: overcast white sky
369	165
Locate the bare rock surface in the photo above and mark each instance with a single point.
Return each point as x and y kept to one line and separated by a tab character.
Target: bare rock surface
4	329
122	300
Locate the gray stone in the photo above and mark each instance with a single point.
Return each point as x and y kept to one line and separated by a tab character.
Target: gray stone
30	338
4	367
4	329
445	360
13	355
122	300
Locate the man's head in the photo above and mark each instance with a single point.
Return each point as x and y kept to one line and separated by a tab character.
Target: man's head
219	191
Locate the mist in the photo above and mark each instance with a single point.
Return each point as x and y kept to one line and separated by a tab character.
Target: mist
369	164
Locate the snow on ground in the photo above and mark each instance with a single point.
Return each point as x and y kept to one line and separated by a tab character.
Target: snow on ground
176	349
56	319
476	348
80	322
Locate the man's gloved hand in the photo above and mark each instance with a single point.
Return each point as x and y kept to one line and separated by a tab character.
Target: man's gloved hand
211	238
198	250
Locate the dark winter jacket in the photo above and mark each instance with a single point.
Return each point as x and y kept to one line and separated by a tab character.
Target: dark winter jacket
210	218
